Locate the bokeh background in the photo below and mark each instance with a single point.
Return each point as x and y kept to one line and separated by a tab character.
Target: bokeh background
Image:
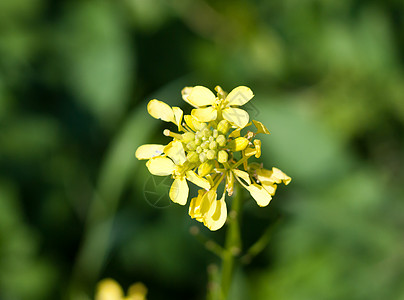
76	206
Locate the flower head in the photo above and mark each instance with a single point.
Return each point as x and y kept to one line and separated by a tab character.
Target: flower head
209	149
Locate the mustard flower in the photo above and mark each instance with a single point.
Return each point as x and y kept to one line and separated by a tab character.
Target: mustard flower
209	149
109	289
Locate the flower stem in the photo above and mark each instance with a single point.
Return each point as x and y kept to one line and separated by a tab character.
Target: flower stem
232	243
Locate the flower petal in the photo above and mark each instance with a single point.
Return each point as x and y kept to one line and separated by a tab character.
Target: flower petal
199	96
179	191
195	205
160	110
137	291
160	166
148	151
193	123
260	195
207	201
243	175
175	151
217	214
178	113
260	127
205	114
257	144
239	96
269	187
236	116
198	180
279	176
108	289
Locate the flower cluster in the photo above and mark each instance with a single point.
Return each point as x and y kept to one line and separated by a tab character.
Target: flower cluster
209	149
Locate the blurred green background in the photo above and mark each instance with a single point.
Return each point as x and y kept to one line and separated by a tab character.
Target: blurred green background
76	206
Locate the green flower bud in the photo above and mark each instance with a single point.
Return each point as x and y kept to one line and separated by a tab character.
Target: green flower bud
223	126
211	154
213	145
188	136
222	156
197	141
192	157
211	139
199	149
207	133
221	140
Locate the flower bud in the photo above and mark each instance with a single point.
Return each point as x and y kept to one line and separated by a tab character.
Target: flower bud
222	156
221	140
215	133
238	144
205	168
202	157
199	149
205	145
211	154
188	136
223	126
191	145
213	145
192	157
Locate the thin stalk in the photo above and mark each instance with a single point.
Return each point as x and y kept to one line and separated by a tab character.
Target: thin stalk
232	243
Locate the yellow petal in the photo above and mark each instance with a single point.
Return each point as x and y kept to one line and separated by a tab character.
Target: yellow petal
217	215
207	201
206	167
178	113
148	151
195	205
229	183
137	291
264	175
260	127
193	123
160	166
279	176
239	96
205	114
250	152
198	180
160	110
235	133
200	96
260	195
257	144
236	116
175	151
185	94
243	175
269	187
179	191
108	289
238	144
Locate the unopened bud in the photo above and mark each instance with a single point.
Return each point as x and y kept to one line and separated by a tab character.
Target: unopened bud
213	145
205	168
222	156
192	157
191	145
221	140
238	144
223	126
202	157
188	136
211	154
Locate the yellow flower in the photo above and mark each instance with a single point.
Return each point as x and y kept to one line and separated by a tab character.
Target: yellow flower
109	289
209	149
208	107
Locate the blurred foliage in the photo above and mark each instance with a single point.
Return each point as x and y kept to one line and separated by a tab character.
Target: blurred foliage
75	77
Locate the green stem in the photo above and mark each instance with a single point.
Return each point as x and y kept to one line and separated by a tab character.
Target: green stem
232	243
